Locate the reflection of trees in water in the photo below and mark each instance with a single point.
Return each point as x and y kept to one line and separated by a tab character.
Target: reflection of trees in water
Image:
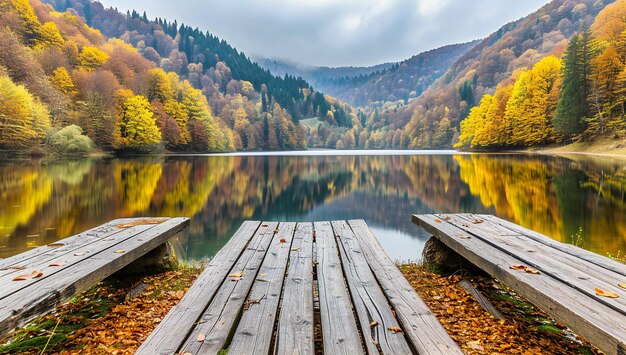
552	196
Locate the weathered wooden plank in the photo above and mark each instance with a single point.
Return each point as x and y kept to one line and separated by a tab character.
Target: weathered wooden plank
218	320
568	269
370	303
482	300
71	258
583	254
602	326
423	330
295	325
256	327
20	307
339	326
69	244
173	330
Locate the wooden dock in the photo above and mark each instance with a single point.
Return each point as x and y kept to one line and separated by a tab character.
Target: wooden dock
34	282
582	290
301	288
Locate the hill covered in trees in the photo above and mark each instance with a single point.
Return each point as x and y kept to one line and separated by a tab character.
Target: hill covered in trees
580	97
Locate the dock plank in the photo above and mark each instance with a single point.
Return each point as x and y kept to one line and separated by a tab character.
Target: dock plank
583	254
421	327
218	320
256	327
339	326
369	301
20	307
68	257
69	243
571	271
173	330
295	325
602	326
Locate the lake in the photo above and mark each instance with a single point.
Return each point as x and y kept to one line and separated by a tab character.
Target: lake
581	200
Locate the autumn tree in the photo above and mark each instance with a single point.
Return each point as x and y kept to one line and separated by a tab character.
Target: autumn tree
23	119
62	80
137	126
91	58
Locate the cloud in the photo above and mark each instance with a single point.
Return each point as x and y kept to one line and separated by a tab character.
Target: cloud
339	32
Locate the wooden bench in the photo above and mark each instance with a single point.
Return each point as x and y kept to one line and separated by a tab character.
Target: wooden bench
34	282
565	287
279	287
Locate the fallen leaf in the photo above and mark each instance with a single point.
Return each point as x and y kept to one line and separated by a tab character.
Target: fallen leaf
120	251
437	220
533	271
201	337
109	238
395	329
58	263
276	231
475	345
373	324
79	254
283	240
622	285
262	275
465	237
55	245
186	353
33	275
477	221
447	218
518	267
17	267
315	263
601	292
263	225
236	276
295	249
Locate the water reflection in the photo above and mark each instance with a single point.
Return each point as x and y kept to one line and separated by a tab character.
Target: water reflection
571	200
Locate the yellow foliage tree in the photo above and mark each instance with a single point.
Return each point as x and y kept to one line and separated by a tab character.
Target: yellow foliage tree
62	80
138	129
23	119
91	58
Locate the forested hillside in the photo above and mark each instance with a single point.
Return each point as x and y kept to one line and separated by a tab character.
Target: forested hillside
517	45
580	97
401	81
66	84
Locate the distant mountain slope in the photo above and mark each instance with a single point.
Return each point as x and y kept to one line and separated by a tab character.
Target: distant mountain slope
317	76
359	86
518	44
402	81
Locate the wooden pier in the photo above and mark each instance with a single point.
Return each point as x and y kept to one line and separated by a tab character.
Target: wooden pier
582	290
298	288
34	282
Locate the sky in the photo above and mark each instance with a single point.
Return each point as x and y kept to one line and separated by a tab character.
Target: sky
338	32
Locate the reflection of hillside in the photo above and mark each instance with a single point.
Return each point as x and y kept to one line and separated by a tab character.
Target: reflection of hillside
553	196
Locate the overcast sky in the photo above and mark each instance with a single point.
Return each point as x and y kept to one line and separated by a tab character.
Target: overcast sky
338	32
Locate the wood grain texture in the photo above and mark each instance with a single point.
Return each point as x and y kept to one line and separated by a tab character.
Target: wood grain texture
369	301
602	326
69	243
173	330
421	327
256	327
339	326
604	262
19	307
219	320
566	268
295	324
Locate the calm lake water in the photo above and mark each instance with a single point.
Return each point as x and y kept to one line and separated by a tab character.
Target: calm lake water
580	200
